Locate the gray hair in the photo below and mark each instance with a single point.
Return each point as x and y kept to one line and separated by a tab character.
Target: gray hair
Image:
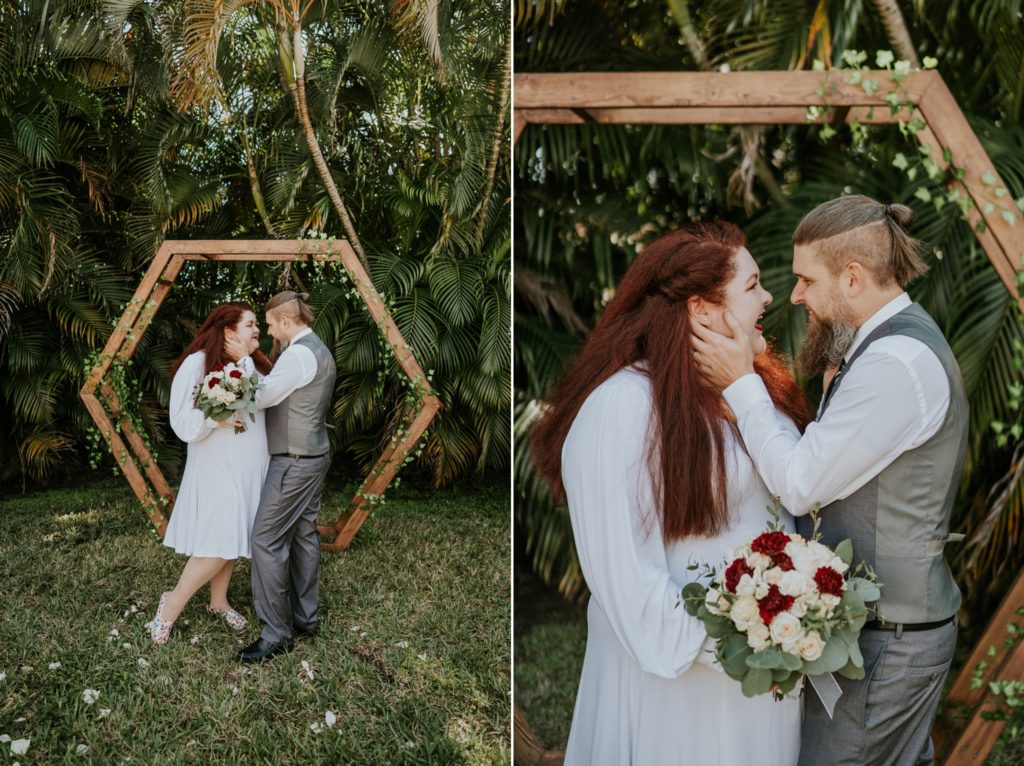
292	304
857	228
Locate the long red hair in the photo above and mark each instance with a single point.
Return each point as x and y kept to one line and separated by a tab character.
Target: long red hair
648	322
210	339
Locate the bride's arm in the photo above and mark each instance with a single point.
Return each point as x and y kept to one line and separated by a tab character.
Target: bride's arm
605	473
188	422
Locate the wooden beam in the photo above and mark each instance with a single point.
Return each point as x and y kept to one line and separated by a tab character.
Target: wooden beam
597	90
722	115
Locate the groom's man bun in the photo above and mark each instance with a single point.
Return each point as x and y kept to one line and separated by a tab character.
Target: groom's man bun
858	228
292	304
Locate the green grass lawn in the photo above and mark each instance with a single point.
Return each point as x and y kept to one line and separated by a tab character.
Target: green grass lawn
412	658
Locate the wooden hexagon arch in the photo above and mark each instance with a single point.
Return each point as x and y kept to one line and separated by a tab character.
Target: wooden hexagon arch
135	459
962	733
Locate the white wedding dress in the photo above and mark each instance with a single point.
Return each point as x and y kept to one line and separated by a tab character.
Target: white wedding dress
224	472
650	692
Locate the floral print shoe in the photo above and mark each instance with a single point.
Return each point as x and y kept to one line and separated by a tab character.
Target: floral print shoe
159	628
234	620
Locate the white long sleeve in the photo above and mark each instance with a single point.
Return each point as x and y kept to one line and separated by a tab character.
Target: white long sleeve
187	421
605	474
294	368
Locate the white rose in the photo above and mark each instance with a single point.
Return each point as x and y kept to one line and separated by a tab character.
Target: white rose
794	583
773	576
744	613
838	564
830	601
820	553
746	586
811	646
758	636
758	561
799	608
715	601
761	590
792	647
785	627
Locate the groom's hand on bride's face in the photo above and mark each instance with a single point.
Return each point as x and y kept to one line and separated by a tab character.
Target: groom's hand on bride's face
235	348
721	359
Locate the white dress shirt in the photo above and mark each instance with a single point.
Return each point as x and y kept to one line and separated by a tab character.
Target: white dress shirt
294	368
892	400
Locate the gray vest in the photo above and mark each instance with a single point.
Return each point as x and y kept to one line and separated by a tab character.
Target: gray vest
899	521
298	424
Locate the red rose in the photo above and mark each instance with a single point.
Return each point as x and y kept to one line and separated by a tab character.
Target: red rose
736	570
773	603
218	368
782	561
829	581
213	382
235	373
770	543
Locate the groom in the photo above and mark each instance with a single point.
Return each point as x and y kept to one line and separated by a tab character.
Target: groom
883	458
285	542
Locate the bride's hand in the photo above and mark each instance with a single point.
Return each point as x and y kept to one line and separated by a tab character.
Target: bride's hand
235	348
254	345
721	359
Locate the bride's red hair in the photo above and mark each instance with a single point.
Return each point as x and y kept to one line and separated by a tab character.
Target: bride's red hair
210	339
648	323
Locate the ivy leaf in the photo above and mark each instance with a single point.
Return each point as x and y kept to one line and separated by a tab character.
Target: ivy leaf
1010	217
870	86
884	58
930	62
900	161
988	178
923	194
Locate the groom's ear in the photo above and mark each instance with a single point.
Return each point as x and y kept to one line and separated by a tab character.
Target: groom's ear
698	308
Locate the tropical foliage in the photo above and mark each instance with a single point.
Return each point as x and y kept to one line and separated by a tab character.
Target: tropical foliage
124	123
587	197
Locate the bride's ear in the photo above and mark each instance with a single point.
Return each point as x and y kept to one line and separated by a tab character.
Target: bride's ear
698	308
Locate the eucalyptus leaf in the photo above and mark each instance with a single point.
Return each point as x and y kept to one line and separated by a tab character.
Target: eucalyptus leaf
756	681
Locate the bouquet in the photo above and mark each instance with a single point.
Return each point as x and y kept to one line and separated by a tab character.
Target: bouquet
227	391
785	607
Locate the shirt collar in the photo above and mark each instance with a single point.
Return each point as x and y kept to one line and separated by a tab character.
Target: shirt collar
888	311
299	334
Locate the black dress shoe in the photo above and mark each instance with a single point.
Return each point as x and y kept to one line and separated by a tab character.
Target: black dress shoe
260	650
310	632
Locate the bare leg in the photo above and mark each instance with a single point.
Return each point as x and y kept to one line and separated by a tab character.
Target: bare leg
198	571
219	587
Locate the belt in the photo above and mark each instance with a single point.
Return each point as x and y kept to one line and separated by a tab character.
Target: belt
297	457
900	627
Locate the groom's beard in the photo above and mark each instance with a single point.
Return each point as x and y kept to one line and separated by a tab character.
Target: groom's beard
826	342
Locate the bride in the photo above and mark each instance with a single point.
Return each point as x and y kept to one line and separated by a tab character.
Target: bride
656	479
224	471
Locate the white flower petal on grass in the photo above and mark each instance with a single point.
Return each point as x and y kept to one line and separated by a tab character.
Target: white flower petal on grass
20	746
20	720
422	657
3	676
103	712
363	634
81	750
126	645
27	668
402	644
234	689
354	628
89	696
315	727
114	633
143	663
307	670
330	719
194	640
53	665
5	738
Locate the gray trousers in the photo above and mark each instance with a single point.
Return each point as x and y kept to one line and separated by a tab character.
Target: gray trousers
886	718
286	547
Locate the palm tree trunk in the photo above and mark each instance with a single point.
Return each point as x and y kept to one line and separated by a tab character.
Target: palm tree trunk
298	89
896	31
499	130
254	184
680	10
